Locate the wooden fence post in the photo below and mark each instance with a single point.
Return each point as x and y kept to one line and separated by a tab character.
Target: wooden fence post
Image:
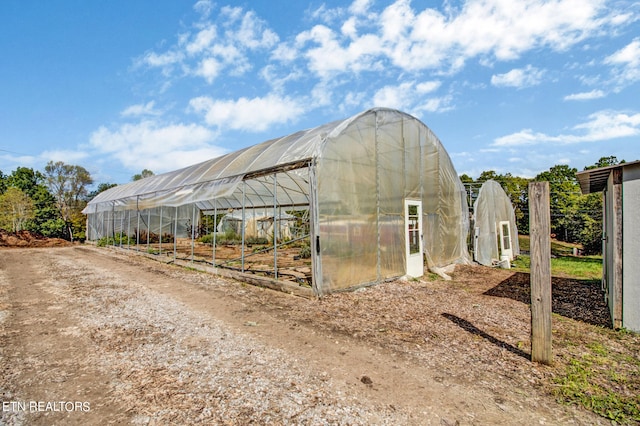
540	247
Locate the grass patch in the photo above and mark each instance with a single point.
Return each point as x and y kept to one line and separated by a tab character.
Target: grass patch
563	263
584	268
602	377
558	248
596	368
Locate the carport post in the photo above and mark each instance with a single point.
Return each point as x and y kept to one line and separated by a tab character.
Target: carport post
138	227
101	225
193	230
244	184
275	228
128	229
113	222
175	236
213	237
160	235
121	228
540	246
148	229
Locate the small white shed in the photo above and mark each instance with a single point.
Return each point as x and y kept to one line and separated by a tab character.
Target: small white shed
620	185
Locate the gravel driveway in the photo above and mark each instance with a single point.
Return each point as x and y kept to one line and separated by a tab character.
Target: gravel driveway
93	336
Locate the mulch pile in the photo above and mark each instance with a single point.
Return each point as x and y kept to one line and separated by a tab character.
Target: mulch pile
24	239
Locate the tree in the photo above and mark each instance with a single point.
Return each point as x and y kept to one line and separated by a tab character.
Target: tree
25	179
3	182
68	184
564	196
605	162
465	178
517	189
46	220
15	209
101	188
144	174
590	213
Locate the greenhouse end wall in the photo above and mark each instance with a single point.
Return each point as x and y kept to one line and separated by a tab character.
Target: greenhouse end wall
492	207
365	172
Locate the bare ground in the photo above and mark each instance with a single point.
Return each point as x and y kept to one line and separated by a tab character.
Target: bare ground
135	341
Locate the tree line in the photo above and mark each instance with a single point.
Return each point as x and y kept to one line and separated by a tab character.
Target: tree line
51	202
575	218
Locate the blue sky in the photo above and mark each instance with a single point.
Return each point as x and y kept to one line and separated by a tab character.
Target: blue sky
511	86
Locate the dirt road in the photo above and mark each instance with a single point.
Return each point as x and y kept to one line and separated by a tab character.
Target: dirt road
89	336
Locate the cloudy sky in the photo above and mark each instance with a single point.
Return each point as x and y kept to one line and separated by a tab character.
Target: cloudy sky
511	86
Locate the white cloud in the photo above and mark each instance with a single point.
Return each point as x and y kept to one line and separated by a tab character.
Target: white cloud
626	63
209	69
628	55
360	7
155	146
204	7
251	115
213	47
162	60
519	77
253	33
585	96
328	58
605	125
410	96
439	104
393	96
140	109
64	155
601	126
428	86
202	40
413	39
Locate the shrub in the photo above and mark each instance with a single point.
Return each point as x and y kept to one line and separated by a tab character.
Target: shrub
257	240
305	251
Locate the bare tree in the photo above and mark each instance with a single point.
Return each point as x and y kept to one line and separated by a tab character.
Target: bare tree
68	184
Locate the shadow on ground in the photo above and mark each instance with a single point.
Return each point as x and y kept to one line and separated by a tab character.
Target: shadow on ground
582	300
469	327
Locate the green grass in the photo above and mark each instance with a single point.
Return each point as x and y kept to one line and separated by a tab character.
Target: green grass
584	268
598	369
603	380
563	263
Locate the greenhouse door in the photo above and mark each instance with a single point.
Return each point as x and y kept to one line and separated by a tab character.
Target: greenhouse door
505	240
413	237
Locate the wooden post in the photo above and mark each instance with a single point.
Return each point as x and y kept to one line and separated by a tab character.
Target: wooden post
540	247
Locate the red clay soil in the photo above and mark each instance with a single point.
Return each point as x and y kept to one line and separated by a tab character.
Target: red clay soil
25	239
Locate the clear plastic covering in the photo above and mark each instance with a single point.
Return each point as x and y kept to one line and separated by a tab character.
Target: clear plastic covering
495	233
351	177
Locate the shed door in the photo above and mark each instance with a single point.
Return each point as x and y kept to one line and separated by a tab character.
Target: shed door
505	240
413	237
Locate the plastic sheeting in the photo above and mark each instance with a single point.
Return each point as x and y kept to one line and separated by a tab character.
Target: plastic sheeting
369	165
259	224
353	175
491	211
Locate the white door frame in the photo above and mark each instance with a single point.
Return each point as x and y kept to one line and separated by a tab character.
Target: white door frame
413	233
506	246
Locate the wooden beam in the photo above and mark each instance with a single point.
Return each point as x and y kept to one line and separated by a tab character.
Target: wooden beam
540	248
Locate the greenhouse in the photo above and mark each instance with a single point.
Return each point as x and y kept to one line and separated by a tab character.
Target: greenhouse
495	239
350	203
